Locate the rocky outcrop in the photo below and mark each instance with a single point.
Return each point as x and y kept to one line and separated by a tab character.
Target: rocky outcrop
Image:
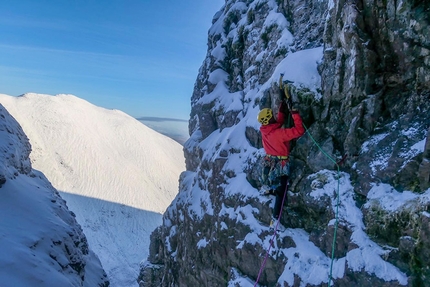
357	213
424	169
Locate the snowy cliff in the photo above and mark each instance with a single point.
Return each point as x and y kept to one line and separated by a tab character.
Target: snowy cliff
358	211
117	175
41	244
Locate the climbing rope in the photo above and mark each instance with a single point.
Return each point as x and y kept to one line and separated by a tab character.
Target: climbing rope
273	238
333	246
338	182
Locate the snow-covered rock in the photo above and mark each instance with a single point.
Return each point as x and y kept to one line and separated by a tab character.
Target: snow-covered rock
359	75
41	243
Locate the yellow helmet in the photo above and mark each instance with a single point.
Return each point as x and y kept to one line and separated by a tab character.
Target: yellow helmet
264	116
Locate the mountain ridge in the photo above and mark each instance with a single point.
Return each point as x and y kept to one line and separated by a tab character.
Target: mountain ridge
41	241
117	175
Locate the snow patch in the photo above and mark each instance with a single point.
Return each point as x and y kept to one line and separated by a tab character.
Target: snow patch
301	68
202	243
374	140
368	255
391	200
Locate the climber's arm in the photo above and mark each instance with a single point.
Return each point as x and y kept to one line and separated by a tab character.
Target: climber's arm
281	115
295	132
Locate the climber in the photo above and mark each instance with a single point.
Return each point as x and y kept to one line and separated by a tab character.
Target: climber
276	144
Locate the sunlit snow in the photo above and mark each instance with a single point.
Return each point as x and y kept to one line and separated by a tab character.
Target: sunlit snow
40	240
117	175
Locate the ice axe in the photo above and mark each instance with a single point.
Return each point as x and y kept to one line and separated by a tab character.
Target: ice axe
284	94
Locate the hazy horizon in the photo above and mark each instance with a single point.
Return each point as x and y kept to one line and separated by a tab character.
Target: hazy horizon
176	129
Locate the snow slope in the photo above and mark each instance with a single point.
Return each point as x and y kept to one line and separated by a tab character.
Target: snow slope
115	173
41	243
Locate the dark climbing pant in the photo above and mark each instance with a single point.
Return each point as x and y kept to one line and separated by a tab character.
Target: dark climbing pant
280	191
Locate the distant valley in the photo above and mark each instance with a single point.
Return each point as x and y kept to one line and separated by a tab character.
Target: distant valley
176	129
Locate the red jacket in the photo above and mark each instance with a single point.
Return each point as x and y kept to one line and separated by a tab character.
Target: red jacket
276	140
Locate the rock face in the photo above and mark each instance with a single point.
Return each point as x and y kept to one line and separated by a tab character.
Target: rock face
365	102
41	242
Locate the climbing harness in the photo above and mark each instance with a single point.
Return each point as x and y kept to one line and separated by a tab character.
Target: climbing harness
273	168
272	240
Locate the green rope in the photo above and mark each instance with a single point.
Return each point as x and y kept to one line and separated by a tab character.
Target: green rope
284	87
337	204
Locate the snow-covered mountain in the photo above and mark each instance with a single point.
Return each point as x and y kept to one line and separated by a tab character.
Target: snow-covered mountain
358	213
41	244
117	175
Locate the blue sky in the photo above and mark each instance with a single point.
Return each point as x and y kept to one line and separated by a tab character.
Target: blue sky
141	57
